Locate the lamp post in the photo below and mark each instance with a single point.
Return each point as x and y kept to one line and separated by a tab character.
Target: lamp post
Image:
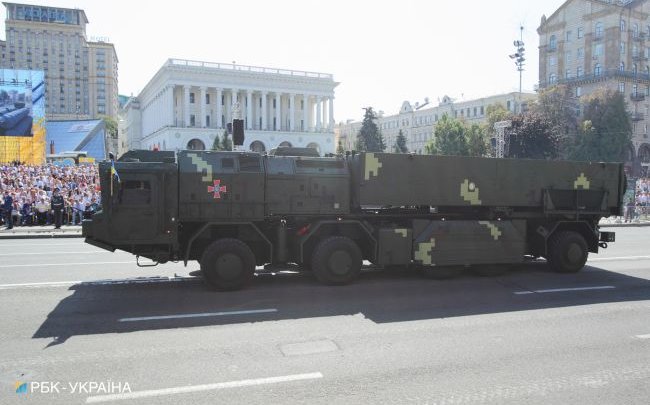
519	59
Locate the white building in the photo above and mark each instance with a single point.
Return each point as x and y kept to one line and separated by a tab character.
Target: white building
187	104
417	122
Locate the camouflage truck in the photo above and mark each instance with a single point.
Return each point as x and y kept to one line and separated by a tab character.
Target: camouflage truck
235	211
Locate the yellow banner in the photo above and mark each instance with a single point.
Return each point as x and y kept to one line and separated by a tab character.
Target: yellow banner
25	149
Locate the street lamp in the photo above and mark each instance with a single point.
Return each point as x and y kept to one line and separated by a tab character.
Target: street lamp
519	59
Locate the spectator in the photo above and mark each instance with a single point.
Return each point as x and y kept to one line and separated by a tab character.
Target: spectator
7	208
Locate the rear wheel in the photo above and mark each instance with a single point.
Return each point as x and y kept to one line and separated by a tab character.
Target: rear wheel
336	261
228	264
567	252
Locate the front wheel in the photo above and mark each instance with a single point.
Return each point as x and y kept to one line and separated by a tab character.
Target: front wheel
228	264
567	252
336	261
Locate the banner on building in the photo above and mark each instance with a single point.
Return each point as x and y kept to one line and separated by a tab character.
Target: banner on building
22	116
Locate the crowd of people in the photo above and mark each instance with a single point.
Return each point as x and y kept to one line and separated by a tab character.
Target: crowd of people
640	206
48	194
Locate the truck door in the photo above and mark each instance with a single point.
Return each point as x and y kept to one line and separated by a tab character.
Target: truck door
134	206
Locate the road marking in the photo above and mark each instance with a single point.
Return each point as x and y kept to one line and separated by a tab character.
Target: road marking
140	280
198	315
203	387
554	290
49	284
4	266
604	259
53	253
642	336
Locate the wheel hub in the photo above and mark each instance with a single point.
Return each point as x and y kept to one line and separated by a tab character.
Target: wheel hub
340	262
229	266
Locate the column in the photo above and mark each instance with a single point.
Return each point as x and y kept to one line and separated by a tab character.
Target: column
319	122
278	107
202	121
186	106
249	109
234	98
219	107
170	105
331	111
305	112
292	112
264	112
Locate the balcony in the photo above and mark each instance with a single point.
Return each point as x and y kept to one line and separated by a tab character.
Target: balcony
640	57
637	96
636	116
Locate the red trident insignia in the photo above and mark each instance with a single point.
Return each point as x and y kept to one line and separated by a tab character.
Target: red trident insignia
217	189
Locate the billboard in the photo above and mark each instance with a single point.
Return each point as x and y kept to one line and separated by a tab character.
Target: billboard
22	116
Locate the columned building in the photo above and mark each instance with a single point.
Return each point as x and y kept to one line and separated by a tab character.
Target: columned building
594	44
187	104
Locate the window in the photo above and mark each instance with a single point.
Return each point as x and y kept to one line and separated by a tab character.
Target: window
622	48
567	74
598	50
207	99
134	192
568	36
552	43
567	56
621	67
552	79
191	98
207	121
621	87
635	51
250	163
598	32
581	53
552	61
582	34
578	91
622	25
635	30
597	69
192	120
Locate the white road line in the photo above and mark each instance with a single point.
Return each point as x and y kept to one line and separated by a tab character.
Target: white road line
62	264
54	253
642	336
203	387
605	259
48	284
198	315
554	290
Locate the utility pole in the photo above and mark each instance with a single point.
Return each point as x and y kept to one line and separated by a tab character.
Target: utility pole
519	59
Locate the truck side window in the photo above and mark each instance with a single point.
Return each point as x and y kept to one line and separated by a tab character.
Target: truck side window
249	164
134	192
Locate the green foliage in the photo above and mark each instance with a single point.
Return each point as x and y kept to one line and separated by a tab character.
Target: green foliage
558	106
339	148
477	144
531	137
370	138
400	143
449	138
111	126
606	130
216	145
495	113
223	143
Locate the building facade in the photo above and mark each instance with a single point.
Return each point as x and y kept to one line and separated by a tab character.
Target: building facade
418	121
594	44
187	104
80	75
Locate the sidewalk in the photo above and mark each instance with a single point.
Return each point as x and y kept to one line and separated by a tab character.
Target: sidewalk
615	222
46	231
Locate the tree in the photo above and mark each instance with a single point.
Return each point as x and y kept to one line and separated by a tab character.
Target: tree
531	137
477	144
448	138
495	113
400	143
111	126
216	145
339	148
559	108
370	138
606	130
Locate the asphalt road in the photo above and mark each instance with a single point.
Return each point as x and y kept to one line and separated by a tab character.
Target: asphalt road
83	318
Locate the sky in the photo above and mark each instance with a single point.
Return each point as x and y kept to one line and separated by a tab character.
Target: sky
381	52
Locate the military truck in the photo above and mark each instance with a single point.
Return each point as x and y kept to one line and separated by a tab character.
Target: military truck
235	211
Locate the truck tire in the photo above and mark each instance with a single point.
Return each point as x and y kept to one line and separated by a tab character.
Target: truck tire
336	261
567	252
228	264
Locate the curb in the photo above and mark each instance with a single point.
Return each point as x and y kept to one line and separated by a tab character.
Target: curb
40	235
635	225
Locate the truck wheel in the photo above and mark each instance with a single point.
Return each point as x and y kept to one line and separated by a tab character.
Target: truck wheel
228	264
567	252
336	261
